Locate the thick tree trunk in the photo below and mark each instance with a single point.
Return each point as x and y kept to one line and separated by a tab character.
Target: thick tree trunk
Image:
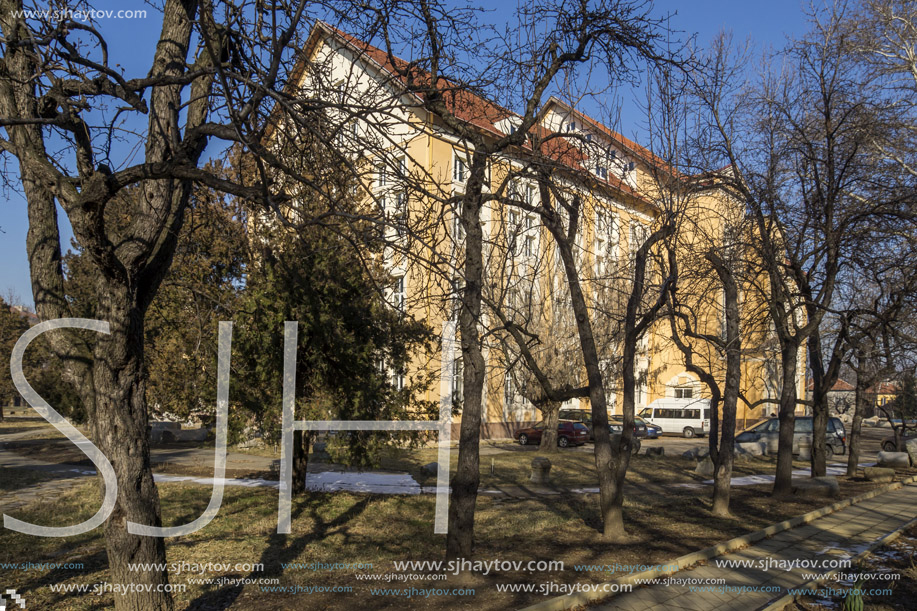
783	480
120	431
465	482
301	444
550	413
853	440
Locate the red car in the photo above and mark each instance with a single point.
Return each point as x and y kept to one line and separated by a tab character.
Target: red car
568	434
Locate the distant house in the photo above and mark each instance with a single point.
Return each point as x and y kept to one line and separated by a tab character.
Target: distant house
882	394
841	400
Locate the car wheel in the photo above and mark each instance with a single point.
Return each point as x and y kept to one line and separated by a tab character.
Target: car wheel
636	449
563	442
688	432
889	446
829	452
523	439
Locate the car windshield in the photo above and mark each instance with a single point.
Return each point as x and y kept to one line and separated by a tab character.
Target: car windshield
539	426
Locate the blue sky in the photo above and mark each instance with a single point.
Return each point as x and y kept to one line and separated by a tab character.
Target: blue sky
132	43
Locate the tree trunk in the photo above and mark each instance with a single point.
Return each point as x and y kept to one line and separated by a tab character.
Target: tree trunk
550	413
120	430
301	443
725	458
783	480
819	405
610	463
859	408
465	482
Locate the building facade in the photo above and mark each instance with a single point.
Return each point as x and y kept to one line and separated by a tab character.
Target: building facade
415	171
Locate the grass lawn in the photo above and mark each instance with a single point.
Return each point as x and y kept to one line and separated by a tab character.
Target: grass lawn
13	478
354	528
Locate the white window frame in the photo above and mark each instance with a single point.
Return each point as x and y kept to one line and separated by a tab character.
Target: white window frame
460	168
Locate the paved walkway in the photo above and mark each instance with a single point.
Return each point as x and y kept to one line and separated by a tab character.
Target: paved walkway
842	534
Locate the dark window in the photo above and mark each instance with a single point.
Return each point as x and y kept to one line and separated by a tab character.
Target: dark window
804	425
706	414
693	414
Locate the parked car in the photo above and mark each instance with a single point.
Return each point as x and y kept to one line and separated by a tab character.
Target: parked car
888	444
568	434
639	425
768	431
653	431
644	428
583	416
687	417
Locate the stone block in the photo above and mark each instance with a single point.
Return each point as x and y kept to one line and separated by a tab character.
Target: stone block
879	474
817	487
705	468
910	446
895	460
429	469
541	466
656	451
751	448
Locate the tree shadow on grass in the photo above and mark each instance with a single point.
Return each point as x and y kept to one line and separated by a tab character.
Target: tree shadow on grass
283	548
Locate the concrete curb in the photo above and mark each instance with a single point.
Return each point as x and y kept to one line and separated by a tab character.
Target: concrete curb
783	601
571	601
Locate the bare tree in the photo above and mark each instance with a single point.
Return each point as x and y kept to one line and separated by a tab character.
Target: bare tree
798	150
452	72
219	77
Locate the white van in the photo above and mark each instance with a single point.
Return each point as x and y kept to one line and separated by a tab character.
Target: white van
688	417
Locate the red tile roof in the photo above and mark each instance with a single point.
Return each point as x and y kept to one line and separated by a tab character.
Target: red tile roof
483	113
839	386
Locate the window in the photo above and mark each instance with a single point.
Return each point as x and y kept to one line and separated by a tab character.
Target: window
397	210
602	172
684	393
398	293
588	137
530	195
512	230
692	414
381	174
458	230
529	246
457	377
398	380
509	393
459	170
571	126
639	234
646	413
706	414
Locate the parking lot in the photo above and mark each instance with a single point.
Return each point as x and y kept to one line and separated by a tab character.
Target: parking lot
871	438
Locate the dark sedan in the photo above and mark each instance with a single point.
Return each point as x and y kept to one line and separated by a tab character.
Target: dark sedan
888	444
568	434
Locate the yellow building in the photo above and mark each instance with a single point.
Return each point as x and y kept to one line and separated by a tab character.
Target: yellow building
619	178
